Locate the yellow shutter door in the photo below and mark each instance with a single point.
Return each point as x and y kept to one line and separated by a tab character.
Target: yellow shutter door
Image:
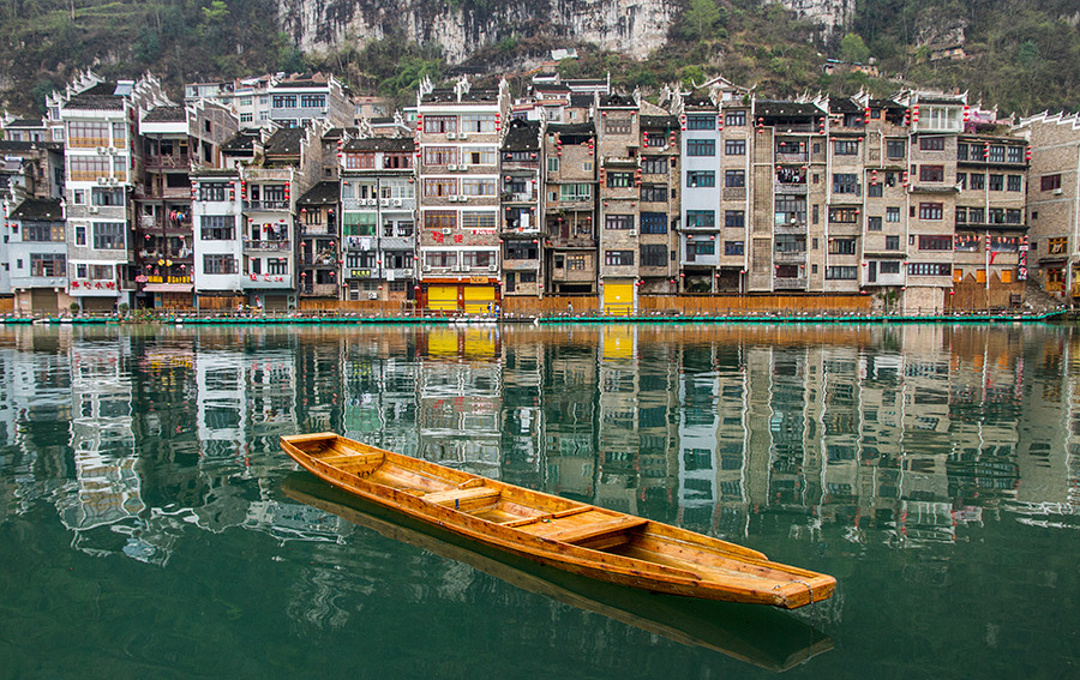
442	298
618	298
477	299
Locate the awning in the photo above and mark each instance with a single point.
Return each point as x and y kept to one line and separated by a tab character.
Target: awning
168	288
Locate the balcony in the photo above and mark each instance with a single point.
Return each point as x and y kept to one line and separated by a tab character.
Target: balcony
518	197
789	257
790	188
167	161
267	206
324	290
789	283
316	230
796	157
261	246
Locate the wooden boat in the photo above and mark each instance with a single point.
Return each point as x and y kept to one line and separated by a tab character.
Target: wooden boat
577	537
763	636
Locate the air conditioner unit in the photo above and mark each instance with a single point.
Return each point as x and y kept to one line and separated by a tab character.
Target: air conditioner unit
371	201
101	151
493	267
94	209
462	136
1058	191
452	167
102	180
113	151
397	201
633	232
446	232
112	181
373	295
463	168
427	267
451	135
406	272
386	201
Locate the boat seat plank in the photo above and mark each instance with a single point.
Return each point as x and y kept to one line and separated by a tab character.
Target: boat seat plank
595	529
450	496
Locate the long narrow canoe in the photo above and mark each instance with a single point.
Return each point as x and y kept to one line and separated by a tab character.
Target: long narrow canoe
577	537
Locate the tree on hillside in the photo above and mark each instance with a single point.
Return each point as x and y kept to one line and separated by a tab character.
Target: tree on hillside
700	19
853	49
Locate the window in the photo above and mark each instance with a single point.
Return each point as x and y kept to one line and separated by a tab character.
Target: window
961	179
108	235
700	218
217	227
700	122
277	266
440	219
440	258
874	190
88	134
931	143
616	126
1015	183
47	264
1050	182
935	242
618	258
40	232
657	139
694	248
736	219
735	147
843	215
440	155
212	191
892	243
553	164
1056	246
478	122
1013	216
654	165
1016	154
88	168
931	173
440	125
929	269
620	180
575	262
892	214
889	267
734	178
996	153
654	223
284	101
478	186
654	193
575	192
931	211
474	219
80	235
701	178
895	148
977	181
846	184
621	222
478	258
845	273
873	223
654	256
966	243
312	101
846	147
735	119
841	246
996	182
733	247
440	187
701	147
487	155
219	264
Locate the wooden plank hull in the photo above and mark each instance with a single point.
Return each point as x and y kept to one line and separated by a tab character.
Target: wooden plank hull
576	537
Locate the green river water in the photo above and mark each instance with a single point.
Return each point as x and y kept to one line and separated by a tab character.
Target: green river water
151	526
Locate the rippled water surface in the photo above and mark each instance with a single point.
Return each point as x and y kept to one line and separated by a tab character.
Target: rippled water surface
150	526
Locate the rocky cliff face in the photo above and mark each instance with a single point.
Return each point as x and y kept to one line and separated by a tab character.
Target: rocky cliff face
633	27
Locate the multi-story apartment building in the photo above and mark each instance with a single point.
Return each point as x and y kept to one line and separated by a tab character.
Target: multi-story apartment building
36	263
619	134
318	235
457	141
658	183
99	126
522	210
884	235
174	140
1053	202
299	99
570	263
378	200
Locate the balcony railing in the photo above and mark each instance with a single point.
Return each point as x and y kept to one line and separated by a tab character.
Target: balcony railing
259	245
266	205
789	283
168	161
790	257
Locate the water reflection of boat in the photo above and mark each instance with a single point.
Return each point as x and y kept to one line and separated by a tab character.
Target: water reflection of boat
581	538
761	636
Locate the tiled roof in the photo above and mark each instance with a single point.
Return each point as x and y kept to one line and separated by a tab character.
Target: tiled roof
323	193
285	142
39	209
165	114
523	135
391	144
100	97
